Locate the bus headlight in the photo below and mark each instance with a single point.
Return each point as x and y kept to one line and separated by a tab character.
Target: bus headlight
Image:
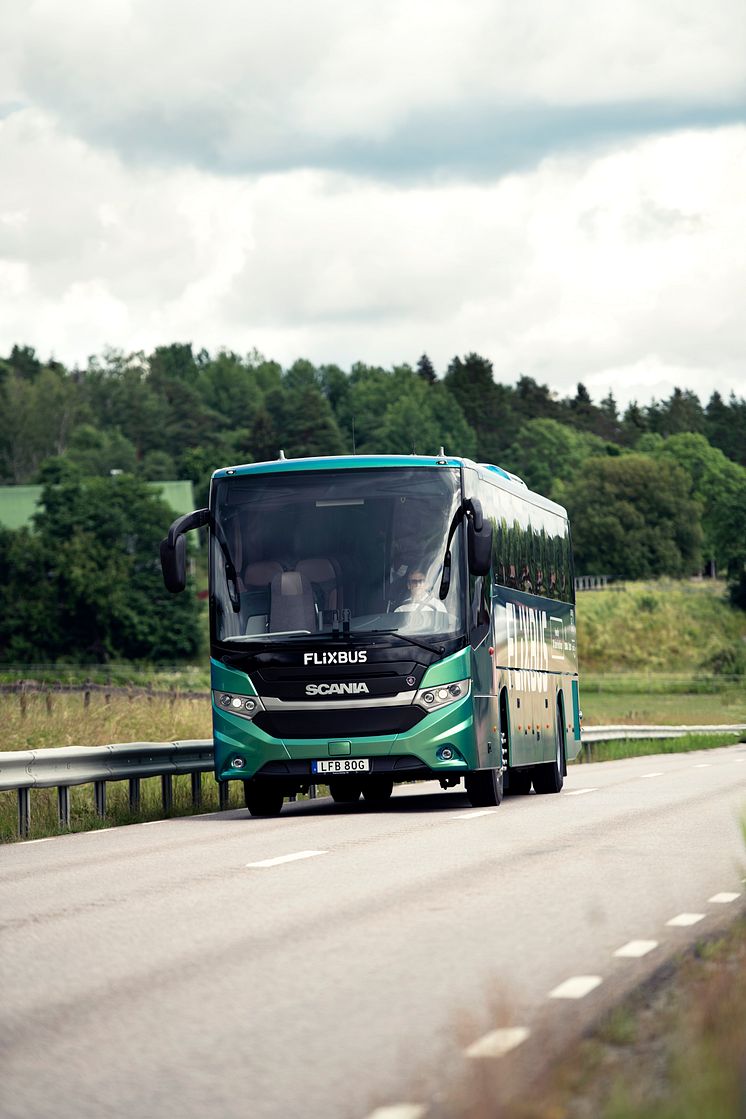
248	706
433	698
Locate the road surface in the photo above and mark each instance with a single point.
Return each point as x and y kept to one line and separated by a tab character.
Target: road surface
337	960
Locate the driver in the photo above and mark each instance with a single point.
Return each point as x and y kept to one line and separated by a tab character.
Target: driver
420	596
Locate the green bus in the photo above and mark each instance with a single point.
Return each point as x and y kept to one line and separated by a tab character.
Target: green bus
386	618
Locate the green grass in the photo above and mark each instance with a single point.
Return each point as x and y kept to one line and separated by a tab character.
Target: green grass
675	1049
659	702
642	747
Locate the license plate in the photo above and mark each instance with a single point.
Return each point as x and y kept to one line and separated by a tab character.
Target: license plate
341	765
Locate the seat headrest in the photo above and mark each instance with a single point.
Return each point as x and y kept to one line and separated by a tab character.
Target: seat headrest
261	573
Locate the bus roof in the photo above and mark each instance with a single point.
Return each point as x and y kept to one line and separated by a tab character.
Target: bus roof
495	474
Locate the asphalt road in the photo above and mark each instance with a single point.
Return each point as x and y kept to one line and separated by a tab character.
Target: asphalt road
161	970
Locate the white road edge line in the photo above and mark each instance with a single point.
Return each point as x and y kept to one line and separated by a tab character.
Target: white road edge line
473	815
44	839
288	858
703	765
723	899
579	792
577	987
658	773
399	1111
683	920
633	949
498	1042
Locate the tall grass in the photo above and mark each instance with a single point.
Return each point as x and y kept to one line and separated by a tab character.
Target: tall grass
663	626
33	726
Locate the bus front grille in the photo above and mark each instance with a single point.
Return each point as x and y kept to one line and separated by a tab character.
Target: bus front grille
347	723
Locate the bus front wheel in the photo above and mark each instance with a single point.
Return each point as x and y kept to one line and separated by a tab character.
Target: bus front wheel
484	788
377	790
344	791
263	798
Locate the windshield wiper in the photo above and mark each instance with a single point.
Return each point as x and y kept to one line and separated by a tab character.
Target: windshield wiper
439	649
250	638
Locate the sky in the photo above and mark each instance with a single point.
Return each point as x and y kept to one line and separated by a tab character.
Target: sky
558	187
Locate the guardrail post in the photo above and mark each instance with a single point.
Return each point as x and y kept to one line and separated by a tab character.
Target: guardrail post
134	794
99	794
312	792
63	805
223	795
167	791
196	790
24	812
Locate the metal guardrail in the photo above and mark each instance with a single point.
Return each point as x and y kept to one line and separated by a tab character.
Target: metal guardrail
66	766
620	732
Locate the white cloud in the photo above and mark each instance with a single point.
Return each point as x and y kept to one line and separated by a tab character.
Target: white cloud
245	85
620	269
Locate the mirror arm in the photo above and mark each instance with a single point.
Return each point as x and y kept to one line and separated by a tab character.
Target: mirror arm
189	521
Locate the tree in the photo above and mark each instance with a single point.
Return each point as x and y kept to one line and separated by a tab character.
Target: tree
426	370
486	405
85	584
719	487
545	453
309	427
725	426
633	518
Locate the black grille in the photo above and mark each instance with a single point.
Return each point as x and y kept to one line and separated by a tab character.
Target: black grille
348	723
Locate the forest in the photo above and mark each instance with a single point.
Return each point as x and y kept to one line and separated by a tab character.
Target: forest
656	489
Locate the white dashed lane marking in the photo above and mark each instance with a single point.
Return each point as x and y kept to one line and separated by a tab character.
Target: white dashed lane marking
685	919
287	858
580	792
656	774
577	987
498	1042
473	815
399	1111
703	765
723	899
636	948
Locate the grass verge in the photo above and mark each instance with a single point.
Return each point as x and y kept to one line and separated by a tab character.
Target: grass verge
641	747
675	1049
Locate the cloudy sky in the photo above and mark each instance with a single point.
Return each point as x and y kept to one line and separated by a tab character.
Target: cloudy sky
560	187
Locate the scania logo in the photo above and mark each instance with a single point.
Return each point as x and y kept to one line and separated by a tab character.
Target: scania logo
336	689
341	656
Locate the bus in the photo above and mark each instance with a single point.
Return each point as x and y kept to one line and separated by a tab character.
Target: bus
382	619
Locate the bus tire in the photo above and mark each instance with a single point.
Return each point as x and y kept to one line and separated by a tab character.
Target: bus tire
519	782
263	798
377	790
484	788
548	778
344	791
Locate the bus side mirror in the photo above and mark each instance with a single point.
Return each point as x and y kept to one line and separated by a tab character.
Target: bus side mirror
479	537
173	549
173	564
480	548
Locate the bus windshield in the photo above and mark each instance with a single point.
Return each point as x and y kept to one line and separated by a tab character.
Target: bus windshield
322	552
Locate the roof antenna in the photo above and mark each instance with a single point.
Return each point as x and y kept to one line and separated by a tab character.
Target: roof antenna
442	457
281	455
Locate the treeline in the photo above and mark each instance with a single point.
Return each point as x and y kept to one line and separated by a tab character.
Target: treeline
655	489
